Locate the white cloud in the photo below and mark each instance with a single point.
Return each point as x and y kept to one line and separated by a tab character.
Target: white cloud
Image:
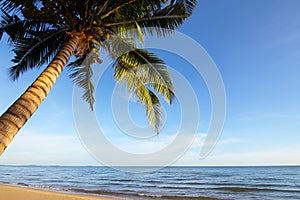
32	148
230	141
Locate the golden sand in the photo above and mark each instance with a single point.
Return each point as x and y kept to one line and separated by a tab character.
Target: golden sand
18	193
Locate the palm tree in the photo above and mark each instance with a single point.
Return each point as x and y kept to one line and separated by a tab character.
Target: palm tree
47	31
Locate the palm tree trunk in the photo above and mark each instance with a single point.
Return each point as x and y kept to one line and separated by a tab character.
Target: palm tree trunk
21	110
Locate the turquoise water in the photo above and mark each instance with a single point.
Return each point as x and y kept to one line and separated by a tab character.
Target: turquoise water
168	183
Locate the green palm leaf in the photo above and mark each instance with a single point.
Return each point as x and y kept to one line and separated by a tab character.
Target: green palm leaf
161	22
136	86
82	76
35	51
153	107
115	7
38	29
150	69
82	72
189	5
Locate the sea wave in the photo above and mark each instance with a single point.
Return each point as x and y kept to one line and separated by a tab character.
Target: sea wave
268	183
253	189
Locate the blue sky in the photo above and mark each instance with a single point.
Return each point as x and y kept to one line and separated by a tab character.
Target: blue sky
255	45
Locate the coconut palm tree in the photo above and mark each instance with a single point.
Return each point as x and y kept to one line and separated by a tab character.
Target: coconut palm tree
51	32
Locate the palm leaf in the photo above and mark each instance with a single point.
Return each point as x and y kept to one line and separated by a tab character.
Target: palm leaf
37	29
150	69
10	24
144	95
138	68
189	5
14	5
153	107
81	73
34	51
115	7
83	78
161	22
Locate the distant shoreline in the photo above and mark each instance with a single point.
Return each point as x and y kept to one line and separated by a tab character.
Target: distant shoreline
21	165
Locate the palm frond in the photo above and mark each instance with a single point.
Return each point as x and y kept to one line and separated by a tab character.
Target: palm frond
153	107
10	24
161	21
189	5
115	7
37	29
150	70
138	69
135	85
34	51
83	78
49	13
118	45
81	73
14	5
18	28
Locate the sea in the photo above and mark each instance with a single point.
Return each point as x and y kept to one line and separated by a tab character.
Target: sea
263	183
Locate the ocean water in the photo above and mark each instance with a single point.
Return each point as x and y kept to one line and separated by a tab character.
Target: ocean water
168	183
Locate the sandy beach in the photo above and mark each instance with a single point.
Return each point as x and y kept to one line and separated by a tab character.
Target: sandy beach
16	193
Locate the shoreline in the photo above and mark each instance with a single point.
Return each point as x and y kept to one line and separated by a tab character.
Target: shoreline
9	192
